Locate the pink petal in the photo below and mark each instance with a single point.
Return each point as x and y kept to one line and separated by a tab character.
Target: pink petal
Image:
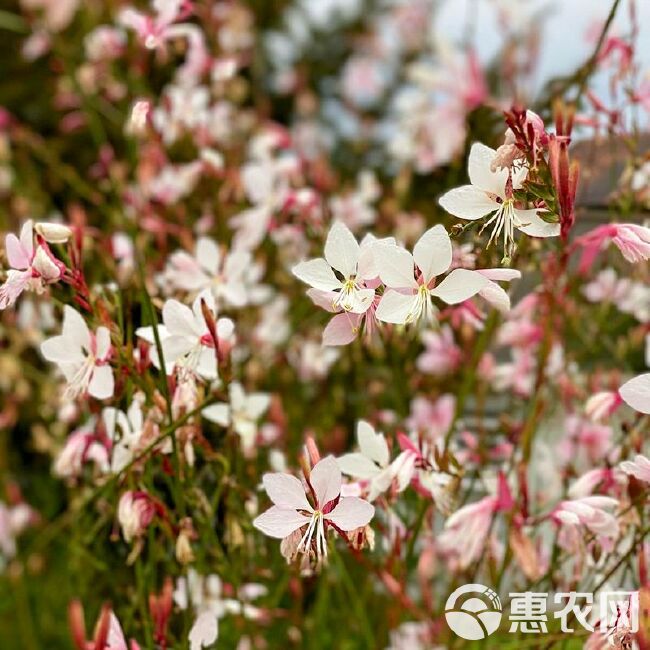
16	255
279	522
286	491
351	513
326	480
342	329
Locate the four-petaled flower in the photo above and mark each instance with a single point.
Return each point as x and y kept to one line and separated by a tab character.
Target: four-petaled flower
492	192
292	511
411	279
82	356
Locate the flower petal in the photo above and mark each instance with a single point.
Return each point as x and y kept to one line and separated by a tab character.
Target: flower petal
204	632
178	318
102	342
358	466
351	513
102	383
342	329
326	480
75	328
496	296
468	202
395	266
395	307
59	349
636	393
208	255
342	249
279	522
432	252
535	226
480	174
286	491
317	273
218	413
372	444
460	285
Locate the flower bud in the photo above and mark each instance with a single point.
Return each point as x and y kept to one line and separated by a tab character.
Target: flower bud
54	233
135	512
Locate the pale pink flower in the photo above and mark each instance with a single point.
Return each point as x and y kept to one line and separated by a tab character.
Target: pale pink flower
441	354
639	468
489	193
633	240
57	14
432	418
135	511
604	478
602	404
14	519
292	511
411	279
83	356
585	438
606	287
82	446
590	513
492	292
30	269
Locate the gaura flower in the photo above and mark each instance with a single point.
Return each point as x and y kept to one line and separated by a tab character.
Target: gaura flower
639	468
30	269
82	356
371	464
633	240
292	511
135	512
354	264
242	413
185	337
411	279
491	192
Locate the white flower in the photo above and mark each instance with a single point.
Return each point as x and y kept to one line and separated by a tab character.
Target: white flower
409	297
82	356
242	413
636	393
291	510
354	263
185	338
125	431
489	193
372	462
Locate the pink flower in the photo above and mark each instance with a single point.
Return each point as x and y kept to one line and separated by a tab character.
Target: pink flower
82	446
135	512
603	404
639	468
441	355
30	269
589	512
584	437
631	239
292	511
432	418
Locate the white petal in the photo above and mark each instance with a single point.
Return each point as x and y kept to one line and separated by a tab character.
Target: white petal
460	285
395	266
361	300
496	296
351	513
207	364
102	383
535	226
342	250
60	349
372	444
500	275
395	307
326	480
208	255
75	328
219	413
178	318
358	466
432	252
102	342
286	491
279	522
45	266
318	274
468	202
204	632
480	174
256	404
636	393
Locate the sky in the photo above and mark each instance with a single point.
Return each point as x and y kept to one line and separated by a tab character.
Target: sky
567	22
